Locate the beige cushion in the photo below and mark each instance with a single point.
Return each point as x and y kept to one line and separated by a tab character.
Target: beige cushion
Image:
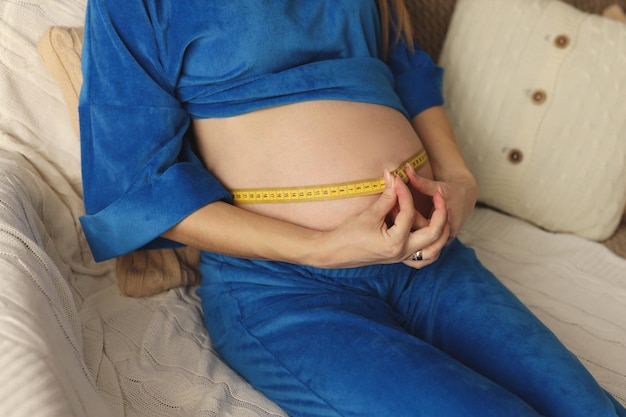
60	50
535	91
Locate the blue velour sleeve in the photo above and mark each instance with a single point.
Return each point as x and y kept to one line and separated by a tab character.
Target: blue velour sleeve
418	80
140	174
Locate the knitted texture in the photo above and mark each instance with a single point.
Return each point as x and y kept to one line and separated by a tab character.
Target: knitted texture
432	18
144	274
73	346
535	95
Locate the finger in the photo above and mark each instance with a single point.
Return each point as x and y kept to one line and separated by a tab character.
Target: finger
437	227
454	229
420	221
421	184
405	216
439	217
430	254
386	203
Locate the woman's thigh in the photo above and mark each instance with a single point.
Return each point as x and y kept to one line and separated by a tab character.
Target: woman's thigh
324	350
459	307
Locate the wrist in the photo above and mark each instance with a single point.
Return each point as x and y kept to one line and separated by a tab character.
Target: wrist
454	173
318	250
328	249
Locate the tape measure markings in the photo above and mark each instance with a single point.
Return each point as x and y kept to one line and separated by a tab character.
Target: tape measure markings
325	192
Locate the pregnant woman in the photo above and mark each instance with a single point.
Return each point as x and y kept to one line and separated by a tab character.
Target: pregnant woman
358	301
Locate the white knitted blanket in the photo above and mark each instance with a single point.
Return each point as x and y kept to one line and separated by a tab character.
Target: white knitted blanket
575	286
70	345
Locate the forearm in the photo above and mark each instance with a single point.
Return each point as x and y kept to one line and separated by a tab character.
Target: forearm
363	239
223	228
450	171
436	133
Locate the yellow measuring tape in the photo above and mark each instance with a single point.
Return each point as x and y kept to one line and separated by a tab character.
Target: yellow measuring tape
327	191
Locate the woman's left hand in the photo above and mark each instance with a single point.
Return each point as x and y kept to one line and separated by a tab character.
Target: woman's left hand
459	191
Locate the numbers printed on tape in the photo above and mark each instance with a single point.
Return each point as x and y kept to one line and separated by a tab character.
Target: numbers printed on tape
326	191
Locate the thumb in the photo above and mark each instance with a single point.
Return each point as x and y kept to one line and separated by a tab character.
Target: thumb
422	184
388	199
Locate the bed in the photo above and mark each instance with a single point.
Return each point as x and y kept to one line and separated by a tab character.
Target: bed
72	343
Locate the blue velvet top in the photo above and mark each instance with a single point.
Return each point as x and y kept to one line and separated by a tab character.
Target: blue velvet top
150	66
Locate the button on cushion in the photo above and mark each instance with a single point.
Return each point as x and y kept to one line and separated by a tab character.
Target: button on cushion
535	92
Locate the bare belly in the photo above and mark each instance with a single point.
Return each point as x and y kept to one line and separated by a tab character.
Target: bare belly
309	143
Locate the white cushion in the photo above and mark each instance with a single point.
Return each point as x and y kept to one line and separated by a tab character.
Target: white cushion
535	90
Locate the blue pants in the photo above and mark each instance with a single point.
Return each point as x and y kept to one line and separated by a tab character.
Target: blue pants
388	340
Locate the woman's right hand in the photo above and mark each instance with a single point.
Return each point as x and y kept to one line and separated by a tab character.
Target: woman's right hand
389	231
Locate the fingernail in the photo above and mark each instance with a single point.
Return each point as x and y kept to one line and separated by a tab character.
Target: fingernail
388	179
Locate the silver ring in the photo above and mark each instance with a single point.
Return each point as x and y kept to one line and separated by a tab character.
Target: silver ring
417	256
